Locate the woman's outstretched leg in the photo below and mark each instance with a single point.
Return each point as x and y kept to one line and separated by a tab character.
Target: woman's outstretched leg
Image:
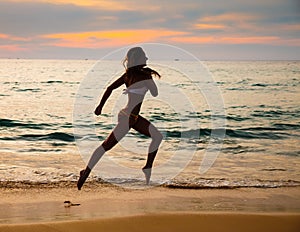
146	128
118	133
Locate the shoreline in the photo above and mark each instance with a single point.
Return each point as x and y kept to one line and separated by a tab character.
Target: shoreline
139	184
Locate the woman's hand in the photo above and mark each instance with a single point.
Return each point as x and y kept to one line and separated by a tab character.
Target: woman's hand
98	110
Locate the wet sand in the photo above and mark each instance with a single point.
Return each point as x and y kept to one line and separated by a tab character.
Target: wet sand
110	208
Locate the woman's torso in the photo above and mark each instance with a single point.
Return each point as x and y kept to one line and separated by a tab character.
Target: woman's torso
136	85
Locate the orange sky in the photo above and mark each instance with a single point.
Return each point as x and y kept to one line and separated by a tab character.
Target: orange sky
98	24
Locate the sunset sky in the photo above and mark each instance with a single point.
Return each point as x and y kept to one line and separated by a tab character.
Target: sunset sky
215	29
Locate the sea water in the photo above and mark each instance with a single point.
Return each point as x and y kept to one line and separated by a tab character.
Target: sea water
260	147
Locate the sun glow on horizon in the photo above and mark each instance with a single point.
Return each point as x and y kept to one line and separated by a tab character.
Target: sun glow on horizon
100	39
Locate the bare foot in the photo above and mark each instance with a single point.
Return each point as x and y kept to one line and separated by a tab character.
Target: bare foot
83	176
147	173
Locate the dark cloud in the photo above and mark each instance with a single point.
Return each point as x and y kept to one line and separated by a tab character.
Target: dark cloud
31	18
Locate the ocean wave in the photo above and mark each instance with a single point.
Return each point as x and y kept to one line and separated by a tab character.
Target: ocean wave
60	136
36	150
34	90
245	86
69	180
230	117
61	82
286	126
231	183
275	113
238	149
27	125
244	133
17	124
51	136
275	131
52	82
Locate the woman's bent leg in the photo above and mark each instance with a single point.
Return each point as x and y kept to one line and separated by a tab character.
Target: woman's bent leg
108	144
146	128
117	134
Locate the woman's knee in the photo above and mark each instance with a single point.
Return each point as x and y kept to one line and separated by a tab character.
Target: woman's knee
109	143
157	136
106	146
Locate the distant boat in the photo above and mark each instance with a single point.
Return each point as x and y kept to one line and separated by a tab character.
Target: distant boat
176	59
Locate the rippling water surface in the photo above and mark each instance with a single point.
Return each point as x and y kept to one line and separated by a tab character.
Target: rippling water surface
260	149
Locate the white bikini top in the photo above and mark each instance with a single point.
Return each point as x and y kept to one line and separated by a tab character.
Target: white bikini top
139	91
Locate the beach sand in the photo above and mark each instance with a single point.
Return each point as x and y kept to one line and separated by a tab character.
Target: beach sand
110	208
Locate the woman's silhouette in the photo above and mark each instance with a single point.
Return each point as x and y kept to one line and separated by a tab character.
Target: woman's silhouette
138	80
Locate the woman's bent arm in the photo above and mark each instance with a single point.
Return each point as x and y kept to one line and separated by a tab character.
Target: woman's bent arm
107	93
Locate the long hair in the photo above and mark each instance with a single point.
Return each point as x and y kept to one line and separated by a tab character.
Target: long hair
133	62
133	57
